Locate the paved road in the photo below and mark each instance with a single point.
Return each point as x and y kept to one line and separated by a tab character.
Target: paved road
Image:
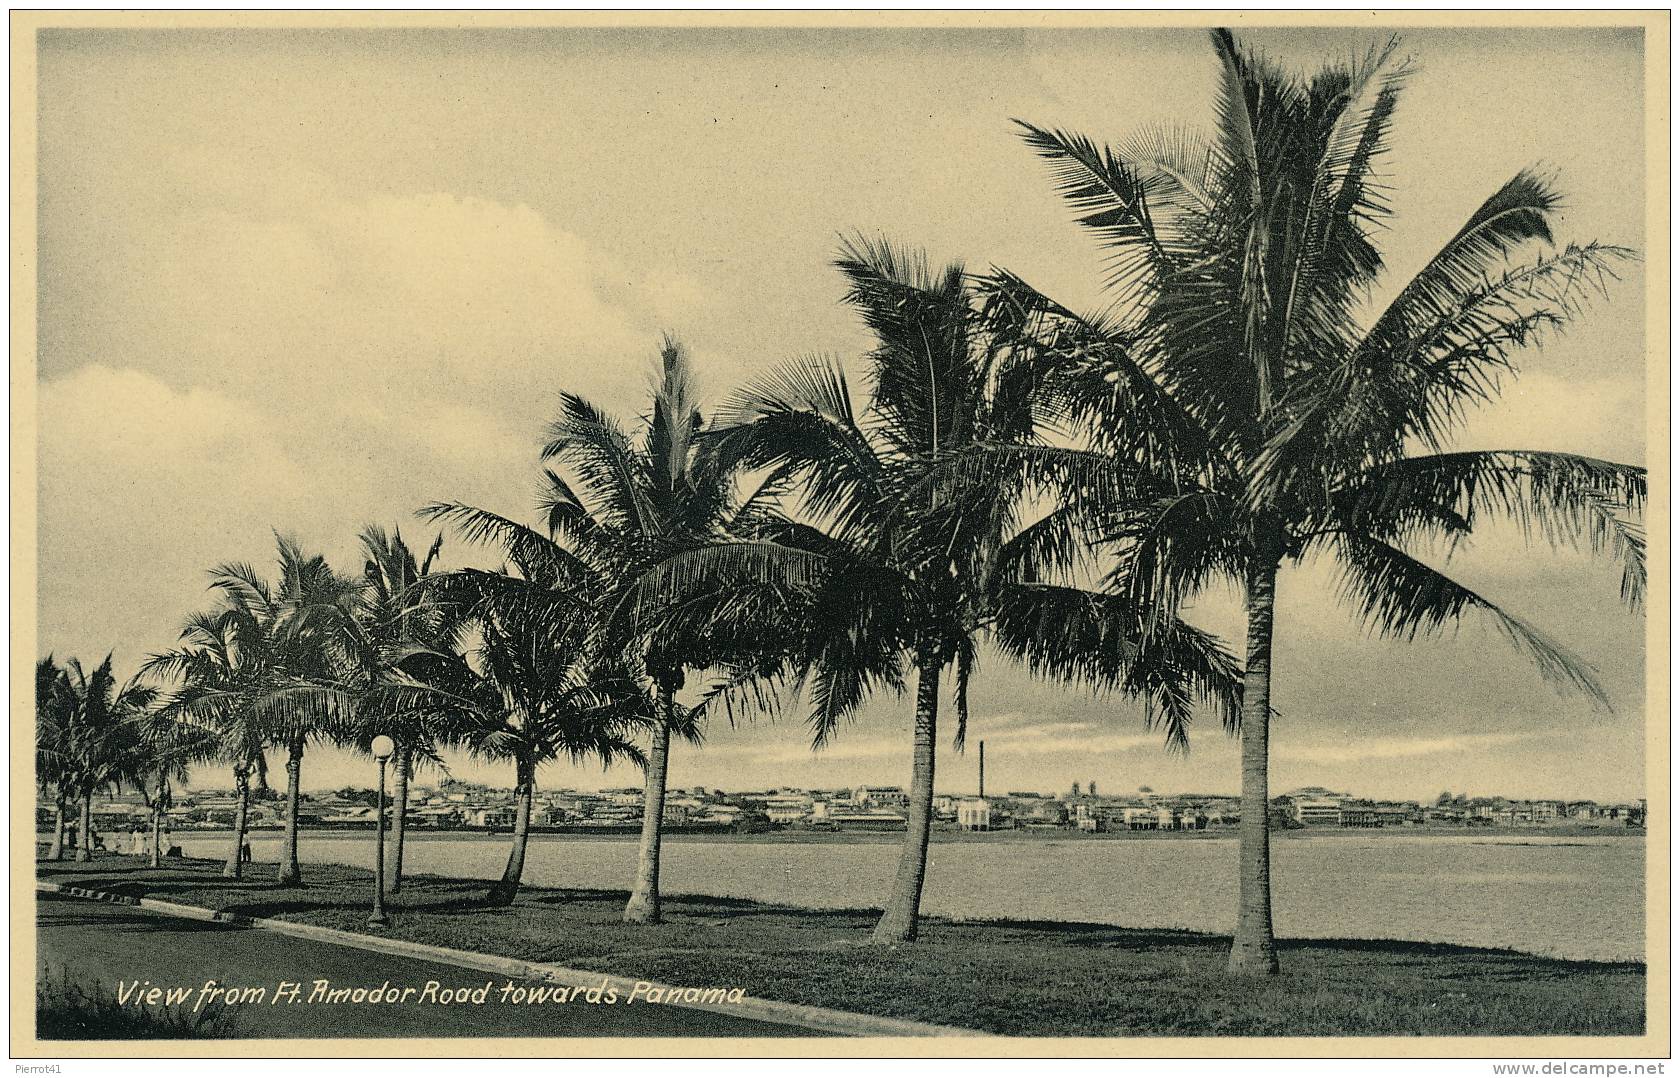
112	944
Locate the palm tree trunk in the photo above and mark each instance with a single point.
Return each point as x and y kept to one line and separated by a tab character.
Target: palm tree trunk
643	907
235	867
84	835
157	822
399	824
1252	948
898	921
289	872
55	852
507	888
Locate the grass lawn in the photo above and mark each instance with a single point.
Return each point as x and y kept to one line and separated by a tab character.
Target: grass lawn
1009	977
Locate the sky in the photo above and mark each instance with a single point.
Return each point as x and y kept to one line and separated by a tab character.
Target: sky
304	281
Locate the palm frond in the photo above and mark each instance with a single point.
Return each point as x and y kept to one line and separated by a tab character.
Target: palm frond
1098	640
1422	388
536	555
679	577
1111	199
600	455
1562	498
1401	598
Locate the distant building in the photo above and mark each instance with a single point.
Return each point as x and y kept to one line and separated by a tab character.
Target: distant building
439	816
1316	810
679	811
359	814
862	820
1139	818
494	816
787	807
880	797
974	814
1034	811
1372	814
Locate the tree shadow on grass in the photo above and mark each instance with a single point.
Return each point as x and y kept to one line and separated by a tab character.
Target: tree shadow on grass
1436	952
275	900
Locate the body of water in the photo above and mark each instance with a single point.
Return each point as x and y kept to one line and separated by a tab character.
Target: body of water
1577	897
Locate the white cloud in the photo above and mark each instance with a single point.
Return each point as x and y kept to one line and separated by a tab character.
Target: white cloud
1388	748
415	298
150	487
841	748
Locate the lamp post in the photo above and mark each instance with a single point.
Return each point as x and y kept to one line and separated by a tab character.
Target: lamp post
382	748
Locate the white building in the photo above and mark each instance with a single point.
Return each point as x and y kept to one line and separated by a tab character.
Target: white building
880	796
974	814
1317	810
787	808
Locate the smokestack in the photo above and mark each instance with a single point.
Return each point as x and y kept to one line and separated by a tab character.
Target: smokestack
982	769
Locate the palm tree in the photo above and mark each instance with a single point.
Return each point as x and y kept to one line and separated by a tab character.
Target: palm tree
393	618
224	670
1241	380
623	505
54	733
103	721
311	615
906	548
529	691
167	745
296	688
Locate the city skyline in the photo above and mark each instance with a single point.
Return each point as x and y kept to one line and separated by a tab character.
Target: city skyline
493	780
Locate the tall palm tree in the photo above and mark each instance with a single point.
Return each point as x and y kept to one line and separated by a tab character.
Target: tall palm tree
393	618
1241	381
529	690
901	550
618	505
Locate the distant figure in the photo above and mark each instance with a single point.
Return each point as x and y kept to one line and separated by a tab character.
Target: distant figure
168	843
245	852
174	851
136	843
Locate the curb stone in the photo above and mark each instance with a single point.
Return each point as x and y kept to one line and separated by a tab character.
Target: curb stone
816	1019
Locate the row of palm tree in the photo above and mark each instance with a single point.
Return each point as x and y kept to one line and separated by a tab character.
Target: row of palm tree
88	737
1057	487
